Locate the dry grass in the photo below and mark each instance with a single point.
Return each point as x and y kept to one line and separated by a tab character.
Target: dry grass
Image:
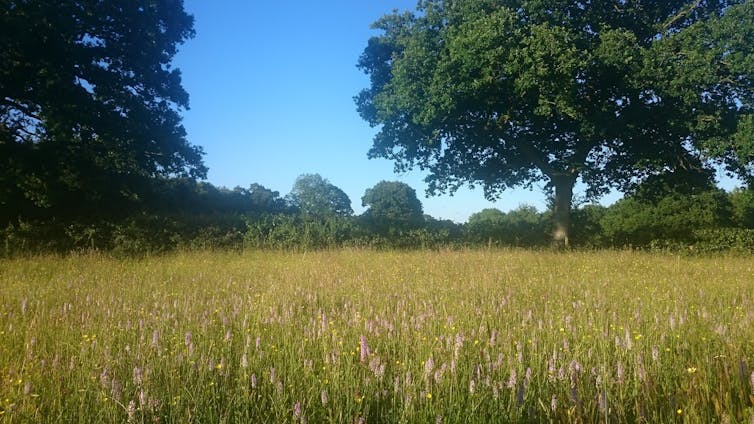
351	336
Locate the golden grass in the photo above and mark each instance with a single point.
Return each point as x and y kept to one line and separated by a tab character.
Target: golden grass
361	336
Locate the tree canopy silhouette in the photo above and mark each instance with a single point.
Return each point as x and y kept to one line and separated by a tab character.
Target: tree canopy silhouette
316	197
89	103
393	206
506	93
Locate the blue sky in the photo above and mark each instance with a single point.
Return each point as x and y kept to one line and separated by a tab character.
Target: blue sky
272	86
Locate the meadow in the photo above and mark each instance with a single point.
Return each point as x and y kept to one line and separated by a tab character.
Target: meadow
372	337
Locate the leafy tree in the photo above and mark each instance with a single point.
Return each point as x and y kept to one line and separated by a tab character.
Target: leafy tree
638	221
524	227
586	229
487	225
519	227
743	207
393	206
89	103
506	93
265	201
315	197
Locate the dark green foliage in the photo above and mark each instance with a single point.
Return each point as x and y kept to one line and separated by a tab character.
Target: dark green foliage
89	106
586	230
188	196
524	227
638	222
393	206
302	232
486	226
743	207
724	240
314	196
507	93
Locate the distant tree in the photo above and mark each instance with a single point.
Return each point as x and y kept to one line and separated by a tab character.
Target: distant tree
742	201
452	230
89	103
508	93
265	201
519	227
640	218
487	225
392	206
315	197
525	226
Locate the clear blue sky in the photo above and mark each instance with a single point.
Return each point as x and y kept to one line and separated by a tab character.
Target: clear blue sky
272	86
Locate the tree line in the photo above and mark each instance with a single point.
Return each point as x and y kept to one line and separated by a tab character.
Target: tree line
186	214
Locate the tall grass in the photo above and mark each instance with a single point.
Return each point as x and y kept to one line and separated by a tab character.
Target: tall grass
353	336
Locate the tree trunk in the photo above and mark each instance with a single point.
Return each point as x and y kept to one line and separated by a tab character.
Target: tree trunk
561	217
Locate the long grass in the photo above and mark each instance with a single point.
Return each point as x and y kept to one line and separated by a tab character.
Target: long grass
358	336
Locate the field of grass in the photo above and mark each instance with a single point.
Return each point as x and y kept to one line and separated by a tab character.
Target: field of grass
352	336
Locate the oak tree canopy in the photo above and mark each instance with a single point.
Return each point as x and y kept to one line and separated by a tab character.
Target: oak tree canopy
507	93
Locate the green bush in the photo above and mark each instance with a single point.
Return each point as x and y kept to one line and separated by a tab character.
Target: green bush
724	239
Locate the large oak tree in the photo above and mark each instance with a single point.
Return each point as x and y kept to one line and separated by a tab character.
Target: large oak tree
89	103
507	93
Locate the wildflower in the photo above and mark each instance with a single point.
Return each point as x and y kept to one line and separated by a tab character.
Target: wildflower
363	349
458	345
156	339
131	411
439	372
138	376
297	410
429	366
512	380
520	395
619	373
104	378
602	400
679	411
527	376
323	397
554	403
691	370
116	389
428	395
519	352
244	361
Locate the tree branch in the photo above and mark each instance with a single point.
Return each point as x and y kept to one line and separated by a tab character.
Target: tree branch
23	109
683	13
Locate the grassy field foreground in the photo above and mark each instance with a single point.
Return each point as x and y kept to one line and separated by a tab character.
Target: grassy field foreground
348	336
